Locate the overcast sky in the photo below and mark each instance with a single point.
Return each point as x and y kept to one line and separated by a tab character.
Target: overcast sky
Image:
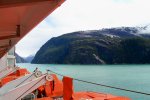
76	15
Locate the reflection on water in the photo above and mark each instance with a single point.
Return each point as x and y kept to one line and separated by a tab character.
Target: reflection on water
134	77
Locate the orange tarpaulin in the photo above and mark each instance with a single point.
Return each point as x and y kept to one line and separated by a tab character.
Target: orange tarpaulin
67	88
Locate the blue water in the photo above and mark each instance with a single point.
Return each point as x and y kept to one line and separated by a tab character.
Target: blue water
134	77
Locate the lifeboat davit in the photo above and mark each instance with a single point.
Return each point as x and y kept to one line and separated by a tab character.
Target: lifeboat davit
60	90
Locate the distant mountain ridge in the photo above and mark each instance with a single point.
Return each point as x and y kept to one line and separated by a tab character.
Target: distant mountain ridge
107	46
20	59
29	58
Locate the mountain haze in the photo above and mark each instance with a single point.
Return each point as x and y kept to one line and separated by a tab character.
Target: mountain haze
29	58
20	59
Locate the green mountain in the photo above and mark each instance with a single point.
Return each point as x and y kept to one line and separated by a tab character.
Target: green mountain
123	45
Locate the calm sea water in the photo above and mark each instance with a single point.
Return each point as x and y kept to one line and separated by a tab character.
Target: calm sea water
134	77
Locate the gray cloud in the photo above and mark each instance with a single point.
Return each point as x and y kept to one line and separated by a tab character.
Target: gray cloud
76	15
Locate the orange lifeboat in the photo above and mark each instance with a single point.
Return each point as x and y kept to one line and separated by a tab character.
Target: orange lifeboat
20	72
69	94
61	90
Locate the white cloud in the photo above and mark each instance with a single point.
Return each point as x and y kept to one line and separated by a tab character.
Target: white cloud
75	15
